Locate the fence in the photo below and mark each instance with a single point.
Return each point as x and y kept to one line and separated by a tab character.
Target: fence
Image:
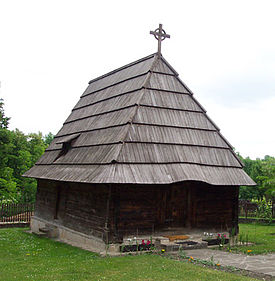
14	213
249	209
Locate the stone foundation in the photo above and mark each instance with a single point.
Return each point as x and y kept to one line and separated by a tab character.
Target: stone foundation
95	244
70	236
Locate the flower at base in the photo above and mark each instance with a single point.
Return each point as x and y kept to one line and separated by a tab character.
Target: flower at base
218	264
191	258
143	243
162	250
148	242
249	251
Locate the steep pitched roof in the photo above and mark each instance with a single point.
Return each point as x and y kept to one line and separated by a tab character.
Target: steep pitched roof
140	124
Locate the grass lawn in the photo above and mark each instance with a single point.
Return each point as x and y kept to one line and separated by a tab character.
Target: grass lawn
262	235
24	256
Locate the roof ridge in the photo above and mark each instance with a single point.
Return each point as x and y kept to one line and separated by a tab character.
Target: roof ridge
169	65
203	109
120	68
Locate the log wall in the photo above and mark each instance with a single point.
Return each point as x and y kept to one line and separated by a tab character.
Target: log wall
81	207
213	206
113	211
133	210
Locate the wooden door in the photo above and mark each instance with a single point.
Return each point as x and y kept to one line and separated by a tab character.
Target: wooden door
172	206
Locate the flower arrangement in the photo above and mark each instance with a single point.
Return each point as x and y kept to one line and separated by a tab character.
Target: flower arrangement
221	236
215	239
134	245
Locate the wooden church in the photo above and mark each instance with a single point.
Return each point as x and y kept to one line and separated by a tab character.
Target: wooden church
137	154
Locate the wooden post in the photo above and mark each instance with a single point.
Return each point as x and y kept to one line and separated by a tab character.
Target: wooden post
118	234
106	226
235	211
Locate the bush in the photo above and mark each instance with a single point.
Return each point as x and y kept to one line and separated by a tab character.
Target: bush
264	209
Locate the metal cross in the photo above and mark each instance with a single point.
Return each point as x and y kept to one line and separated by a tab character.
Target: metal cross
160	35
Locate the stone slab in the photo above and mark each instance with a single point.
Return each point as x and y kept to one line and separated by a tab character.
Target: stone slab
256	263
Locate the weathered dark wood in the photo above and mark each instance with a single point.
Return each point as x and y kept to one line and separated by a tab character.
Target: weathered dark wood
111	212
215	206
160	160
106	237
57	203
235	212
189	208
140	124
82	207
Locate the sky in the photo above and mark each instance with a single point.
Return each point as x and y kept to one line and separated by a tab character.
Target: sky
224	51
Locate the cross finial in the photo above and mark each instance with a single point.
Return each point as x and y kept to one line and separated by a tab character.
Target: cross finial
160	35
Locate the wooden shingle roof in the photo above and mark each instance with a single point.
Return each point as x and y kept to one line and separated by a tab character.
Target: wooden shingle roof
140	124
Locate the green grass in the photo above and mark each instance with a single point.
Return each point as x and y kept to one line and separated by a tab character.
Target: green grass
24	256
259	234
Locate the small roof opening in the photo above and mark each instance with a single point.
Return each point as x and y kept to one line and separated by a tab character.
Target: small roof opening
66	144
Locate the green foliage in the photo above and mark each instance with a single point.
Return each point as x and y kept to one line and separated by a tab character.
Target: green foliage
18	153
268	177
262	171
48	139
264	210
8	191
4	121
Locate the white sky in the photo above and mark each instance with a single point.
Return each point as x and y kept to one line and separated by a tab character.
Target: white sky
223	50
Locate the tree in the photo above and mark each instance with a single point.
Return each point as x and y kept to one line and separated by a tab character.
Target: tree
262	171
253	169
18	153
4	121
268	177
48	139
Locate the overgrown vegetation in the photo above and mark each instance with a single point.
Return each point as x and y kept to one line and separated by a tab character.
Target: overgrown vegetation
18	153
27	257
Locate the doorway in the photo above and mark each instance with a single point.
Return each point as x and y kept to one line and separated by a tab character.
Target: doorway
172	206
